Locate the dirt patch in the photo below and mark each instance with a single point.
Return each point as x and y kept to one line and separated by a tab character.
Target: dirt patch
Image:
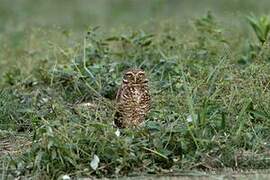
13	145
254	175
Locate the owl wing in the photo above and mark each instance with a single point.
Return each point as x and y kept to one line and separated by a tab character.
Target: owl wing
146	99
118	95
118	118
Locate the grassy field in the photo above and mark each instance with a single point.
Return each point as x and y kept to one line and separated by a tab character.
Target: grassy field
61	63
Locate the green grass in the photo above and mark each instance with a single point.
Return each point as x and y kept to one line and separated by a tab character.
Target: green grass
209	86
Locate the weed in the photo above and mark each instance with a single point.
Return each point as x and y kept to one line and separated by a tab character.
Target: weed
261	27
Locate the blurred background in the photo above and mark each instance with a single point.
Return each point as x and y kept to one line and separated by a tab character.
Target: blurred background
15	15
31	29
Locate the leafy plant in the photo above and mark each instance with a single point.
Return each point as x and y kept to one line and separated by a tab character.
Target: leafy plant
207	111
261	26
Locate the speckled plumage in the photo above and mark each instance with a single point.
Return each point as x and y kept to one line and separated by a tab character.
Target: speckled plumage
133	99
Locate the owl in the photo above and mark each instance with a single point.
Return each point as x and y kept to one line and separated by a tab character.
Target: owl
133	99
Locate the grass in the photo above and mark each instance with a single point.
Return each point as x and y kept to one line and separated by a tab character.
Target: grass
210	100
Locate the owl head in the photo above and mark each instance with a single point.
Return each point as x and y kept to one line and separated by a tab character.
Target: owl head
134	76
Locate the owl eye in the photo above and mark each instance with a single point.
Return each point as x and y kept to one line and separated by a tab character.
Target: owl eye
141	74
129	75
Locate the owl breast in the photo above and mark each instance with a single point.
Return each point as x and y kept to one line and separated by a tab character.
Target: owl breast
133	104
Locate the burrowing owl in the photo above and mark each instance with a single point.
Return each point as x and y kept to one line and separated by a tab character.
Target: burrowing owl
133	99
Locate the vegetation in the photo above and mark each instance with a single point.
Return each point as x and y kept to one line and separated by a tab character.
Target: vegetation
210	90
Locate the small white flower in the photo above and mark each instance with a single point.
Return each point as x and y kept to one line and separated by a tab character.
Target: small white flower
66	177
189	118
45	100
117	132
94	163
87	105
